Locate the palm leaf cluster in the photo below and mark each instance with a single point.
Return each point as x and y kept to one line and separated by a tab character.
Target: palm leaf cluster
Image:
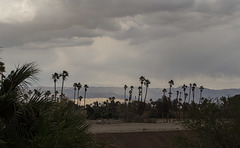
34	120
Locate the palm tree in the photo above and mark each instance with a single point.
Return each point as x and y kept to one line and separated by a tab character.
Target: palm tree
171	83
189	96
130	93
193	90
12	87
146	83
55	77
201	89
79	86
142	79
164	91
184	87
74	91
85	92
64	75
47	94
139	92
125	88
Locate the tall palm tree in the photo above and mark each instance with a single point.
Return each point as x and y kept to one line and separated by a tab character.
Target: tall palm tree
164	91
125	88
201	89
184	87
190	89
85	92
64	76
171	83
130	93
74	91
193	90
55	77
139	92
142	79
79	86
146	83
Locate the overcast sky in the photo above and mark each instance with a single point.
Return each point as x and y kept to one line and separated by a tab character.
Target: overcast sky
114	42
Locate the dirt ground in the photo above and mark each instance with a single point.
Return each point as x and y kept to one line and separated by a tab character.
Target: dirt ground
114	126
139	135
160	139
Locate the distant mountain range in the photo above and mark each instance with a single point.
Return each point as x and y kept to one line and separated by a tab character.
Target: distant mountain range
153	93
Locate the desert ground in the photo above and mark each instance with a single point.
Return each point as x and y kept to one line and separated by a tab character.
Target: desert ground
141	135
115	126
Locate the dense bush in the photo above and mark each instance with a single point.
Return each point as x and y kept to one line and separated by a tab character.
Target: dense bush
215	124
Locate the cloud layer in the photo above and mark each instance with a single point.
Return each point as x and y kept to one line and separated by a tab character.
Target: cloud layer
113	42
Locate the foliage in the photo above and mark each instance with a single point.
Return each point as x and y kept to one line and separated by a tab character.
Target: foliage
215	124
35	121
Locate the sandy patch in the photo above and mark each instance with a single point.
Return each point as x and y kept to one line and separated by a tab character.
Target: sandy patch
134	127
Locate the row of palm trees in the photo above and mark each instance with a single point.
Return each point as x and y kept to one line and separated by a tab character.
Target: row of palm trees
78	86
55	78
143	81
184	87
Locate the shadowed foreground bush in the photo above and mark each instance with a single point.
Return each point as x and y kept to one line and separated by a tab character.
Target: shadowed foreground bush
215	125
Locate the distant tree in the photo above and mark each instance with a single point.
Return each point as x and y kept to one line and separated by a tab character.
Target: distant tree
130	93
64	76
47	94
193	90
142	79
125	89
74	91
164	91
146	83
189	95
55	77
171	83
184	87
201	89
139	92
79	86
85	93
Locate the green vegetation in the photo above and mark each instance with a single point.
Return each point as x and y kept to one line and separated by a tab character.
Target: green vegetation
34	120
214	124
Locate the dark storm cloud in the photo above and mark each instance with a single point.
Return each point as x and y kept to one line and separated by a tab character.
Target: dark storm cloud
161	39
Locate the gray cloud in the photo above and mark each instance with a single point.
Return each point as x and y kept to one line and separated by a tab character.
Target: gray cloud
106	40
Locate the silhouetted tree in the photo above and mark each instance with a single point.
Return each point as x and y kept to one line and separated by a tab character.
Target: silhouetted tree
74	91
85	93
142	79
164	91
146	83
171	83
79	86
64	75
125	89
55	77
201	89
139	92
193	90
190	89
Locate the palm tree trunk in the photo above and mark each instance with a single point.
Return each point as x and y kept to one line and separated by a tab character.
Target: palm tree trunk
55	89
142	93
189	95
84	99
77	96
62	88
74	95
145	94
